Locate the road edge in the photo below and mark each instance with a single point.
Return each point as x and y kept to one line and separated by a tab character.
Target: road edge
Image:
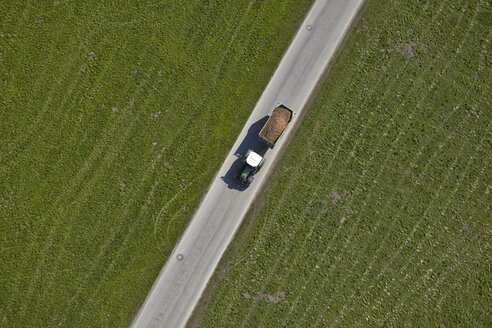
198	314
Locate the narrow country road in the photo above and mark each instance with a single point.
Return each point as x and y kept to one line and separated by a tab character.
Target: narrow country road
192	263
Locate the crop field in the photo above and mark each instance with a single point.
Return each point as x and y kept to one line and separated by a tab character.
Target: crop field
380	212
114	118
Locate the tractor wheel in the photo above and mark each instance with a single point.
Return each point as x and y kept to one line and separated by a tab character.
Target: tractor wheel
250	179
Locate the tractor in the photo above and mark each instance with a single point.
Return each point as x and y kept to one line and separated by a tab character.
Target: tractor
252	163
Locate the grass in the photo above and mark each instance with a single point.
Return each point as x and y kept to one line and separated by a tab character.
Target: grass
379	213
114	118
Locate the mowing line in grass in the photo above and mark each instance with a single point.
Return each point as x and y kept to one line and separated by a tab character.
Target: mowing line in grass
352	153
425	168
343	310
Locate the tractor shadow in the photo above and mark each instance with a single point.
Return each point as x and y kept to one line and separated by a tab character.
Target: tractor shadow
251	141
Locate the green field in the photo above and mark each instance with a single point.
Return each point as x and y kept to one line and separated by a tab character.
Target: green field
380	212
114	118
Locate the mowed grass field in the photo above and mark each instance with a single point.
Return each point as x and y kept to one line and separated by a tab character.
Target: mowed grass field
379	213
114	118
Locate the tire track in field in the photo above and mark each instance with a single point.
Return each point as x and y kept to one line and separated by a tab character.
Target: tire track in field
83	196
353	150
420	221
428	273
37	85
400	133
469	166
37	123
111	152
462	176
431	202
292	181
66	193
166	205
269	274
108	161
109	268
460	279
449	201
231	41
98	149
445	256
49	98
179	151
342	311
265	230
409	198
75	82
131	228
67	67
106	67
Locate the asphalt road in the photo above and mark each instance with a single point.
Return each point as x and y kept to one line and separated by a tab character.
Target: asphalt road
193	261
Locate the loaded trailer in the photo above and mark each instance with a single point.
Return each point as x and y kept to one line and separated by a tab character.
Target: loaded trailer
276	125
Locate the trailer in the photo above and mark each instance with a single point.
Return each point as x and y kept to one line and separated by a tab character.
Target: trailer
276	125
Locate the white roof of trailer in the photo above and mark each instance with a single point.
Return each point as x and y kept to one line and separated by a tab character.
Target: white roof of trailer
253	159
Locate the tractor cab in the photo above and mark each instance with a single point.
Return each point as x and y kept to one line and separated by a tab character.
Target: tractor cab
252	163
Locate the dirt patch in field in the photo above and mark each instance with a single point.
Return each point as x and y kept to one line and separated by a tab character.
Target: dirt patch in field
155	115
405	48
272	298
7	201
408	49
335	196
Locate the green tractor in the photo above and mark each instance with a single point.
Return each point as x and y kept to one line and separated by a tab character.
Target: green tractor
252	163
